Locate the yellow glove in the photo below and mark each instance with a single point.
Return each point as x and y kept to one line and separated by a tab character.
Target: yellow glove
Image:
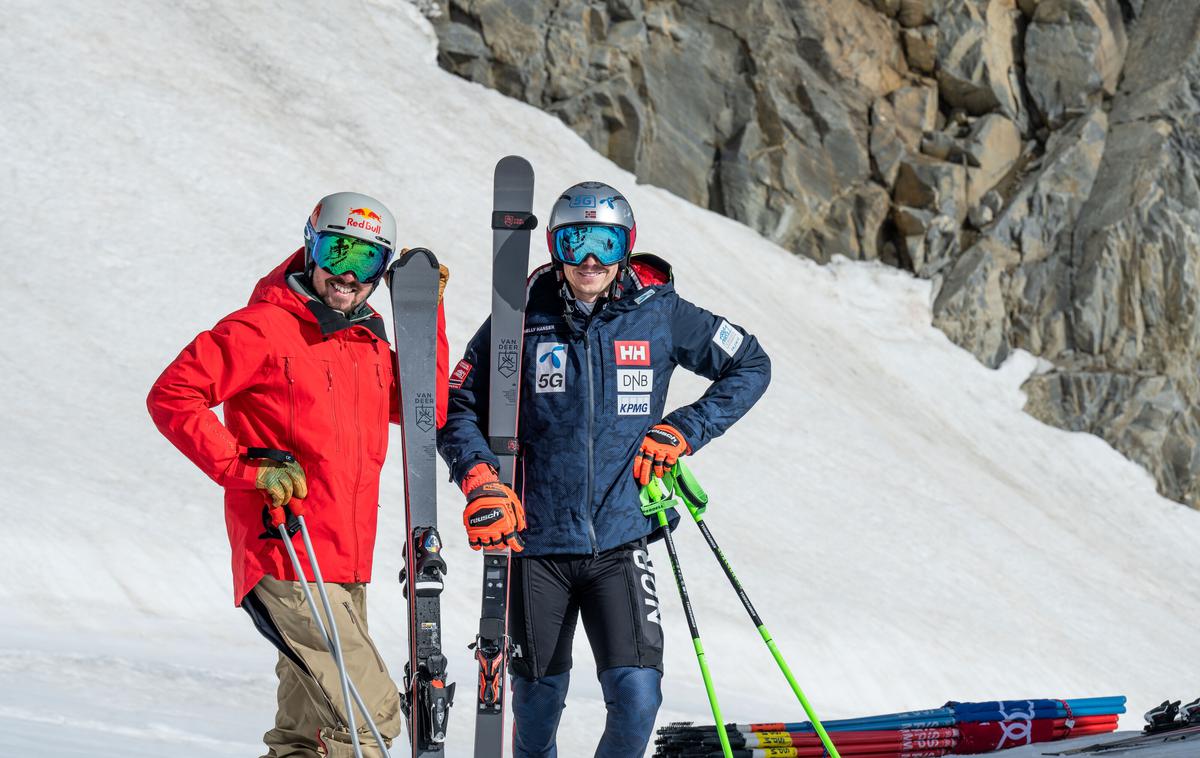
281	481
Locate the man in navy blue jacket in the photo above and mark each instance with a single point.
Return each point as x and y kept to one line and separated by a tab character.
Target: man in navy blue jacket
604	330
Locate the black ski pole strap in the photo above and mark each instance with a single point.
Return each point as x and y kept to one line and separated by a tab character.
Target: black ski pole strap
272	533
514	220
504	445
270	453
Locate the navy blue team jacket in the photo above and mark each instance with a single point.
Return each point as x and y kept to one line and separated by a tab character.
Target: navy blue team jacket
591	387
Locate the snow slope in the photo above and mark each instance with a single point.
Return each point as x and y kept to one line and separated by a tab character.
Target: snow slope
909	535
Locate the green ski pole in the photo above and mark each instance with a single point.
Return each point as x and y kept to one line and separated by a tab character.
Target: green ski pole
681	482
655	501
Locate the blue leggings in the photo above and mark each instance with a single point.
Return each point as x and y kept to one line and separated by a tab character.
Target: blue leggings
632	696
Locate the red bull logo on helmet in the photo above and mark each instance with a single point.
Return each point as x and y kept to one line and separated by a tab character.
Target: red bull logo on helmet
365	219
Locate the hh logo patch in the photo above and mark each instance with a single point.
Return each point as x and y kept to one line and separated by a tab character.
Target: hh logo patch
635	379
633	405
728	338
459	375
632	352
551	367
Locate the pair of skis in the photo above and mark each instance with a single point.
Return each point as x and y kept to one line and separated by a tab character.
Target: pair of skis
426	698
1165	723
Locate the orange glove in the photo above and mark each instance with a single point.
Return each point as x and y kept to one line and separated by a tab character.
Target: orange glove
660	450
494	515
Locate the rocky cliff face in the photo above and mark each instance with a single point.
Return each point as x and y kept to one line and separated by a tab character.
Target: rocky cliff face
1037	159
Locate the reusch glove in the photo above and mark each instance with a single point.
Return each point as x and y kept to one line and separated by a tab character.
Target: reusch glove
493	517
480	473
660	450
281	481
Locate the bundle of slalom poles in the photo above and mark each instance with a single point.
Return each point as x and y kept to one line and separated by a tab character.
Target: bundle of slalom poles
333	643
657	498
957	728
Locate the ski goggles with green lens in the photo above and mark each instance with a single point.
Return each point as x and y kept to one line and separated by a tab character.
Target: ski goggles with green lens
338	254
574	243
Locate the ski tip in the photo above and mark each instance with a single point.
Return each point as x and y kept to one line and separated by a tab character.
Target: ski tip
412	255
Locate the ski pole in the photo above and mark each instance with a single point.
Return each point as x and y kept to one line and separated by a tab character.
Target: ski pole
333	643
655	501
680	481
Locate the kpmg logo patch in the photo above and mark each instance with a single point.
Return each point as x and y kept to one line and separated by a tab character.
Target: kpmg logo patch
551	367
633	405
728	338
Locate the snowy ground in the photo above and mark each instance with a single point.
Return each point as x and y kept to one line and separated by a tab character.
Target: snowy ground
909	535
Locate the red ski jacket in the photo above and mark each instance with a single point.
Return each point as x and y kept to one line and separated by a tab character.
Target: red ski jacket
296	375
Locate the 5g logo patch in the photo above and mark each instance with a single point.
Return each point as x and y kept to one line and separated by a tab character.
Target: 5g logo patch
551	373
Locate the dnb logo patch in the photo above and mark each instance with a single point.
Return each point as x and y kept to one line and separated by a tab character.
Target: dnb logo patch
632	352
551	367
459	375
635	379
728	338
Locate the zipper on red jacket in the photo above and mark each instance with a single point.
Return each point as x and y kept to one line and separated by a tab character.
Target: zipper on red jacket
358	473
287	373
337	429
384	403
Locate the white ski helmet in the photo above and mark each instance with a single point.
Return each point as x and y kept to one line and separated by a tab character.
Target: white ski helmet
350	214
591	204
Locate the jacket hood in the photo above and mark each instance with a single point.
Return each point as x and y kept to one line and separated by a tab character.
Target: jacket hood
273	288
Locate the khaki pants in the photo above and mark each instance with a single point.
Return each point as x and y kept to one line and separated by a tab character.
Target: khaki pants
311	721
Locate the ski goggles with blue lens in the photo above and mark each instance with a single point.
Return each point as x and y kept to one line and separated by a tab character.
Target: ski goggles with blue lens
573	244
338	254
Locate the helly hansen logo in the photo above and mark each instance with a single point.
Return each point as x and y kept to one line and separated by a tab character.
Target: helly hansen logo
635	379
632	352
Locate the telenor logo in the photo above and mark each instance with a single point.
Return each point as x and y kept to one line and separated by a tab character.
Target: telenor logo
551	375
632	352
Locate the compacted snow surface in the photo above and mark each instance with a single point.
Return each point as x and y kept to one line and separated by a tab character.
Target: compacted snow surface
908	534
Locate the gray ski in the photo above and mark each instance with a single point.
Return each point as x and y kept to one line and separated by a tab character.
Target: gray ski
425	697
512	220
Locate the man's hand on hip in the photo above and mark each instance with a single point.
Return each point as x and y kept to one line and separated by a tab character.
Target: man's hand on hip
660	450
281	481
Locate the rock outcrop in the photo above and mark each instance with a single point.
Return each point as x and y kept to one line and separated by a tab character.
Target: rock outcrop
1036	159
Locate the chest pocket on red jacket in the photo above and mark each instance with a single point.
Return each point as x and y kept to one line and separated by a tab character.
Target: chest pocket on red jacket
379	380
313	423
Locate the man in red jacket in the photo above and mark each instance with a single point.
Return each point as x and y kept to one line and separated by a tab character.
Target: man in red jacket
305	367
